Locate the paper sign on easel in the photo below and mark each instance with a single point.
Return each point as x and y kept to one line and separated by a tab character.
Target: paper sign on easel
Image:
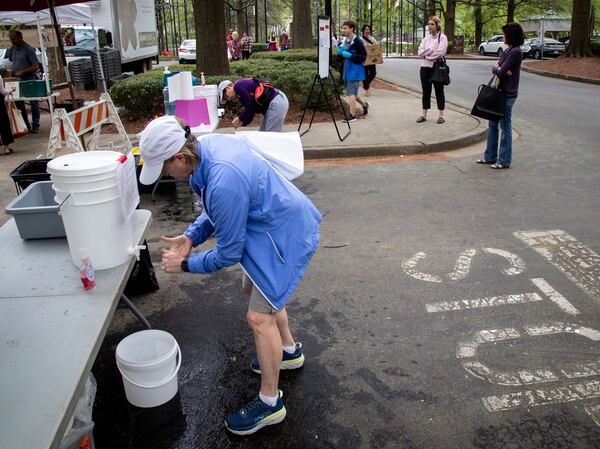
180	87
127	182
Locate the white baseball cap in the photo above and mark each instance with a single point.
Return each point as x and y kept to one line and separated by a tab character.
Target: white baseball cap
160	141
222	86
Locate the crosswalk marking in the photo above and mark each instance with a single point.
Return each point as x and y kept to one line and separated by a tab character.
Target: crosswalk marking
555	297
578	262
492	301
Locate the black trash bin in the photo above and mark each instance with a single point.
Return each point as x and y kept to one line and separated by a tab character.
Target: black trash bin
29	172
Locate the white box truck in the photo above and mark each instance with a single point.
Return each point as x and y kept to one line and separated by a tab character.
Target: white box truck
132	27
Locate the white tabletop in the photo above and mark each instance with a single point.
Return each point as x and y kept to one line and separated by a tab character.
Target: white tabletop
45	97
50	333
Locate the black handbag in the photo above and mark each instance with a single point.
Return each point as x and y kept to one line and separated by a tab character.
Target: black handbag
441	71
490	103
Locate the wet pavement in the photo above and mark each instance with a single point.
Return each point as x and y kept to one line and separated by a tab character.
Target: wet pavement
431	316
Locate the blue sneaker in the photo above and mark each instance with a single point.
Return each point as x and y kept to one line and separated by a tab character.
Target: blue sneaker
255	415
288	361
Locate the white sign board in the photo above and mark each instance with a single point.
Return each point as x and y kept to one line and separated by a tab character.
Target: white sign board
324	46
127	182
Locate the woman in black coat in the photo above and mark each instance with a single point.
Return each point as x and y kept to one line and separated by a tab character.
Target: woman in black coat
6	137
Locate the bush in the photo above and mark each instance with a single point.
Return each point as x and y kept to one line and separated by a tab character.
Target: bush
304	54
294	78
259	48
595	47
142	95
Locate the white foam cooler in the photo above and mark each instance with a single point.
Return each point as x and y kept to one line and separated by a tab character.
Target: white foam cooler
86	185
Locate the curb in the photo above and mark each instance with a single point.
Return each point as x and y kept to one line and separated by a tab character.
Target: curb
466	139
449	57
541	72
341	152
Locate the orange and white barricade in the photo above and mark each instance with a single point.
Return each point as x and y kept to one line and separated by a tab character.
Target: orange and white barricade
68	128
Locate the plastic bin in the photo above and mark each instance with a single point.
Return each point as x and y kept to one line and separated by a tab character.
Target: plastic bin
36	212
29	172
34	88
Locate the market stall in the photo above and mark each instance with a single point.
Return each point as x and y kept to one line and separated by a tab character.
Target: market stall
67	14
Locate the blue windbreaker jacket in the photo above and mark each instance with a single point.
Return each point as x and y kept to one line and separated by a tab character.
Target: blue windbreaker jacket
260	219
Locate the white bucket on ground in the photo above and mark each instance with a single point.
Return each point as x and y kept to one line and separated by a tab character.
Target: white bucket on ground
211	93
92	211
149	361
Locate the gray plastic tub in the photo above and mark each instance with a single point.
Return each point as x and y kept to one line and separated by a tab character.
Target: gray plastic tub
36	212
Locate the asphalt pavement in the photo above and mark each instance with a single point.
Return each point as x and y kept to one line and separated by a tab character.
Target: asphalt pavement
449	305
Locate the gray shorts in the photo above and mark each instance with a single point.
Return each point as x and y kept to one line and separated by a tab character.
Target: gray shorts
275	115
256	301
352	88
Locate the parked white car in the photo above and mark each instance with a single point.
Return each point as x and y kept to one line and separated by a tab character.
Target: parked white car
187	51
496	46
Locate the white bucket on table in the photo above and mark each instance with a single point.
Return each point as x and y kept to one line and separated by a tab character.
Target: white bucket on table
149	361
211	93
92	212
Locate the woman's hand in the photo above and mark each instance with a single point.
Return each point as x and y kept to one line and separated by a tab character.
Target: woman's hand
236	122
171	261
181	244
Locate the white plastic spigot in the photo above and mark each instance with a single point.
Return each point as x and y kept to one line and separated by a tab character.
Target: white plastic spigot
135	251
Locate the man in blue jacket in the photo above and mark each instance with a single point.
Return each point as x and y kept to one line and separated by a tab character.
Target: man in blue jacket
352	54
261	221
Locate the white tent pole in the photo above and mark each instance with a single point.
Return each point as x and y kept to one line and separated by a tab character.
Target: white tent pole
95	31
44	61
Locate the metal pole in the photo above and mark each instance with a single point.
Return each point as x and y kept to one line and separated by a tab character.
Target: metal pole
185	17
266	24
414	25
543	32
401	26
425	18
371	15
387	29
164	22
256	31
178	28
380	21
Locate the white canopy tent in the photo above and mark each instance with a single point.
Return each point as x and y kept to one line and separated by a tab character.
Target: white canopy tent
68	14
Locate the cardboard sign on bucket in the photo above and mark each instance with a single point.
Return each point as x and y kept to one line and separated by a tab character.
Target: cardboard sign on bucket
88	191
193	112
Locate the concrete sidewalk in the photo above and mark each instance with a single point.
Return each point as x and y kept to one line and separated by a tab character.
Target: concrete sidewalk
391	129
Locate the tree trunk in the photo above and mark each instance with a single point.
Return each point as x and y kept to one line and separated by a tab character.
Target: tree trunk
302	36
431	9
239	16
579	45
478	23
510	11
211	47
449	20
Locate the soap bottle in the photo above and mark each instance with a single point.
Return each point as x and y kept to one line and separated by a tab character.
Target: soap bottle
86	272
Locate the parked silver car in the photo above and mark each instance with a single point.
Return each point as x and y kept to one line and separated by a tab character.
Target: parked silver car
552	48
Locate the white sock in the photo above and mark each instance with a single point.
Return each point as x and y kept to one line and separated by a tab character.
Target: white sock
290	349
269	400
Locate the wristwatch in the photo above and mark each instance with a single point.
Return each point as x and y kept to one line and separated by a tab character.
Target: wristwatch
184	266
